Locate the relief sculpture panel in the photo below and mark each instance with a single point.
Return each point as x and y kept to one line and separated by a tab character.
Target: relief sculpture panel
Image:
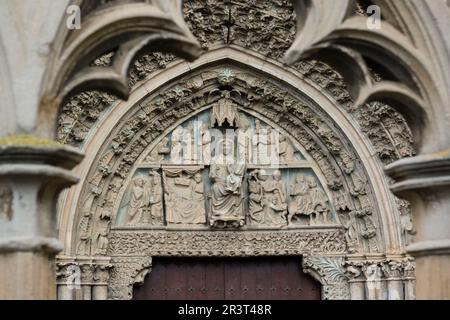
225	169
184	195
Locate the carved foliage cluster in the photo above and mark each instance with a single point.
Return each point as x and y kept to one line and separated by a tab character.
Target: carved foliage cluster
385	127
126	273
267	27
331	273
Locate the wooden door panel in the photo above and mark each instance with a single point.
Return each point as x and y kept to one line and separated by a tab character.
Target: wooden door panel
227	279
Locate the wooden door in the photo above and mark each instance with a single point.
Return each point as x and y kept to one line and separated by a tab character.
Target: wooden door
271	278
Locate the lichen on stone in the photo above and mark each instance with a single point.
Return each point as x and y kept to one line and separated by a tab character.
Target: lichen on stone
27	140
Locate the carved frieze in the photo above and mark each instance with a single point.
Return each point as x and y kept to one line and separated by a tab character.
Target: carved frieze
225	243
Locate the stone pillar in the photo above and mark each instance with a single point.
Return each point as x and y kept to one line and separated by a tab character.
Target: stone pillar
425	181
356	280
394	279
101	279
409	278
68	277
32	173
373	274
87	280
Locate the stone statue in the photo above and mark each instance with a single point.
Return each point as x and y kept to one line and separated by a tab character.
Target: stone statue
319	201
244	144
84	225
177	145
155	201
274	200
226	192
184	196
206	141
308	200
286	150
189	155
301	202
139	200
255	208
264	144
351	232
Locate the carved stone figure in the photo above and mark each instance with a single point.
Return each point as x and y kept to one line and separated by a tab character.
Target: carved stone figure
301	202
155	201
308	200
158	153
255	208
206	141
244	141
351	232
184	196
225	112
226	192
319	201
139	200
84	225
189	154
274	200
6	198
286	150
176	151
264	144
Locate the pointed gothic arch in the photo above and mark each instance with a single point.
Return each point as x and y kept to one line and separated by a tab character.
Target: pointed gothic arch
340	154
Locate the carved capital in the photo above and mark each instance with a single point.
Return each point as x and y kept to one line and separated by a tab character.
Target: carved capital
330	272
127	272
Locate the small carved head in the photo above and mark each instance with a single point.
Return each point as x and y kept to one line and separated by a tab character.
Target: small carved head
277	175
198	177
312	182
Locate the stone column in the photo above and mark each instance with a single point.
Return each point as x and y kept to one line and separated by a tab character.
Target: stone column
394	279
101	279
425	181
32	173
373	274
356	280
409	278
87	280
68	280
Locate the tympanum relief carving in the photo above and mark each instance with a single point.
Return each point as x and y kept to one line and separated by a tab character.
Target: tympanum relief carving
225	169
237	150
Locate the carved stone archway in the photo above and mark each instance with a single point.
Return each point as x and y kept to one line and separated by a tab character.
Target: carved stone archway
346	256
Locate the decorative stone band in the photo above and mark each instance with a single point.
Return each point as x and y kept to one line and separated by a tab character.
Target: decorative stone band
31	150
226	243
421	172
433	247
26	244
